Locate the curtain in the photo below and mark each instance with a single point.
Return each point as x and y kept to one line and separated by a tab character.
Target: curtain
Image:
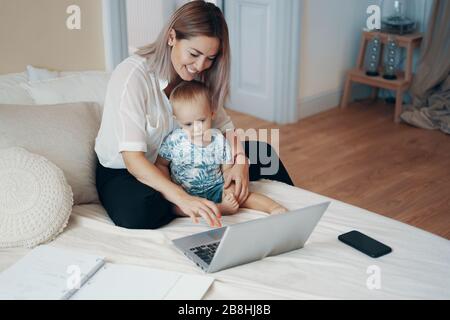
430	89
114	32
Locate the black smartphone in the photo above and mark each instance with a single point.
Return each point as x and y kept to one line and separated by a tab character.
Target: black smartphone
365	244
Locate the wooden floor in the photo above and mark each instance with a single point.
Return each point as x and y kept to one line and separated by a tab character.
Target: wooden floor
360	156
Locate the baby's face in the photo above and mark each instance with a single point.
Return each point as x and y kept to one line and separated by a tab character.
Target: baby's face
194	117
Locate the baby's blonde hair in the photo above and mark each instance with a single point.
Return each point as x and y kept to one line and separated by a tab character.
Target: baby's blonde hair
190	91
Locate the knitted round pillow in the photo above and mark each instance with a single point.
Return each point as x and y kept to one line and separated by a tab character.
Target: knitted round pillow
35	199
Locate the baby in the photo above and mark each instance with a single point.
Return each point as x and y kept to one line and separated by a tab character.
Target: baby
198	155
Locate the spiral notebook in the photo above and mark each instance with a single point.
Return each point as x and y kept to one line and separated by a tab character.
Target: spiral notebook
51	273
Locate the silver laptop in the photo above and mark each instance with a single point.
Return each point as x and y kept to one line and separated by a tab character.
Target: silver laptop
237	244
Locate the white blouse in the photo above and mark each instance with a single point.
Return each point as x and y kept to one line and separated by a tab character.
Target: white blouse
137	114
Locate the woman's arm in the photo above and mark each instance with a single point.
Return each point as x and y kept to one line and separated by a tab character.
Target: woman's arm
239	172
147	173
163	165
225	167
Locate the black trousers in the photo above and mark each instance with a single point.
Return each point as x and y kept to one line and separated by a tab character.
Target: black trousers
134	205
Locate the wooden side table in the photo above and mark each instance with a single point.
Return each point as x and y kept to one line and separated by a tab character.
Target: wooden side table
404	78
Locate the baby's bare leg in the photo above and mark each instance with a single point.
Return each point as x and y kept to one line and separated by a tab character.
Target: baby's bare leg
229	204
260	202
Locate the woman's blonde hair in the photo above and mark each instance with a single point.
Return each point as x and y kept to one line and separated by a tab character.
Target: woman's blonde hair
195	18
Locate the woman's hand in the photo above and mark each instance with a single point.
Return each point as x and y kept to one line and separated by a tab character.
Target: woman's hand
239	174
195	206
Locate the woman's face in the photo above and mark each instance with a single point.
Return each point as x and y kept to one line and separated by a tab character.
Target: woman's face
193	56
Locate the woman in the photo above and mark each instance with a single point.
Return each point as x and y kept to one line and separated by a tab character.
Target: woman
137	116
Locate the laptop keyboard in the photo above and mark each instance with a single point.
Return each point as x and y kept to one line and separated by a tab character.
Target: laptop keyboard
206	252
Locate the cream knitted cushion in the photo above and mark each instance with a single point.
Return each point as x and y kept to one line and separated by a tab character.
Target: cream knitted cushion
35	199
62	133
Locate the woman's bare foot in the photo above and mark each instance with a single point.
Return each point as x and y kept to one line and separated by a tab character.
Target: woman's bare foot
278	209
229	204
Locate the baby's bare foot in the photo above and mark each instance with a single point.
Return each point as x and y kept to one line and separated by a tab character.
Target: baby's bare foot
278	209
229	204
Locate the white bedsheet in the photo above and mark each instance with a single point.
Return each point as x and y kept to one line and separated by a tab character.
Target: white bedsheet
418	267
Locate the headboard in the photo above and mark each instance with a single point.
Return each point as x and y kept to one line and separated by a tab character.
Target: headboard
35	32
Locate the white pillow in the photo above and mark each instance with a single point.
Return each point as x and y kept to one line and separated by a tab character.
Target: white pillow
37	74
35	199
75	88
14	94
10	79
77	73
10	90
63	133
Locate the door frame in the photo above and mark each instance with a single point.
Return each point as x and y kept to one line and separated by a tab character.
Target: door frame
287	75
282	106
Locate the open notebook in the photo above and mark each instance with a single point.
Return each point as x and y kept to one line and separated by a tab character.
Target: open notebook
48	272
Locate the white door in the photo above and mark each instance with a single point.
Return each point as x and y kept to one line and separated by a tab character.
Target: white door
264	40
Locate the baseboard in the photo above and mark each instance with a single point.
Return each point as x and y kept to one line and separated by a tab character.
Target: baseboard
309	106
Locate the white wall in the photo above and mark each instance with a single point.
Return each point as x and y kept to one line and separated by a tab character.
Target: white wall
35	32
331	32
145	19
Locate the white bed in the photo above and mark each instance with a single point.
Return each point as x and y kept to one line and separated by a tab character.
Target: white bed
418	267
